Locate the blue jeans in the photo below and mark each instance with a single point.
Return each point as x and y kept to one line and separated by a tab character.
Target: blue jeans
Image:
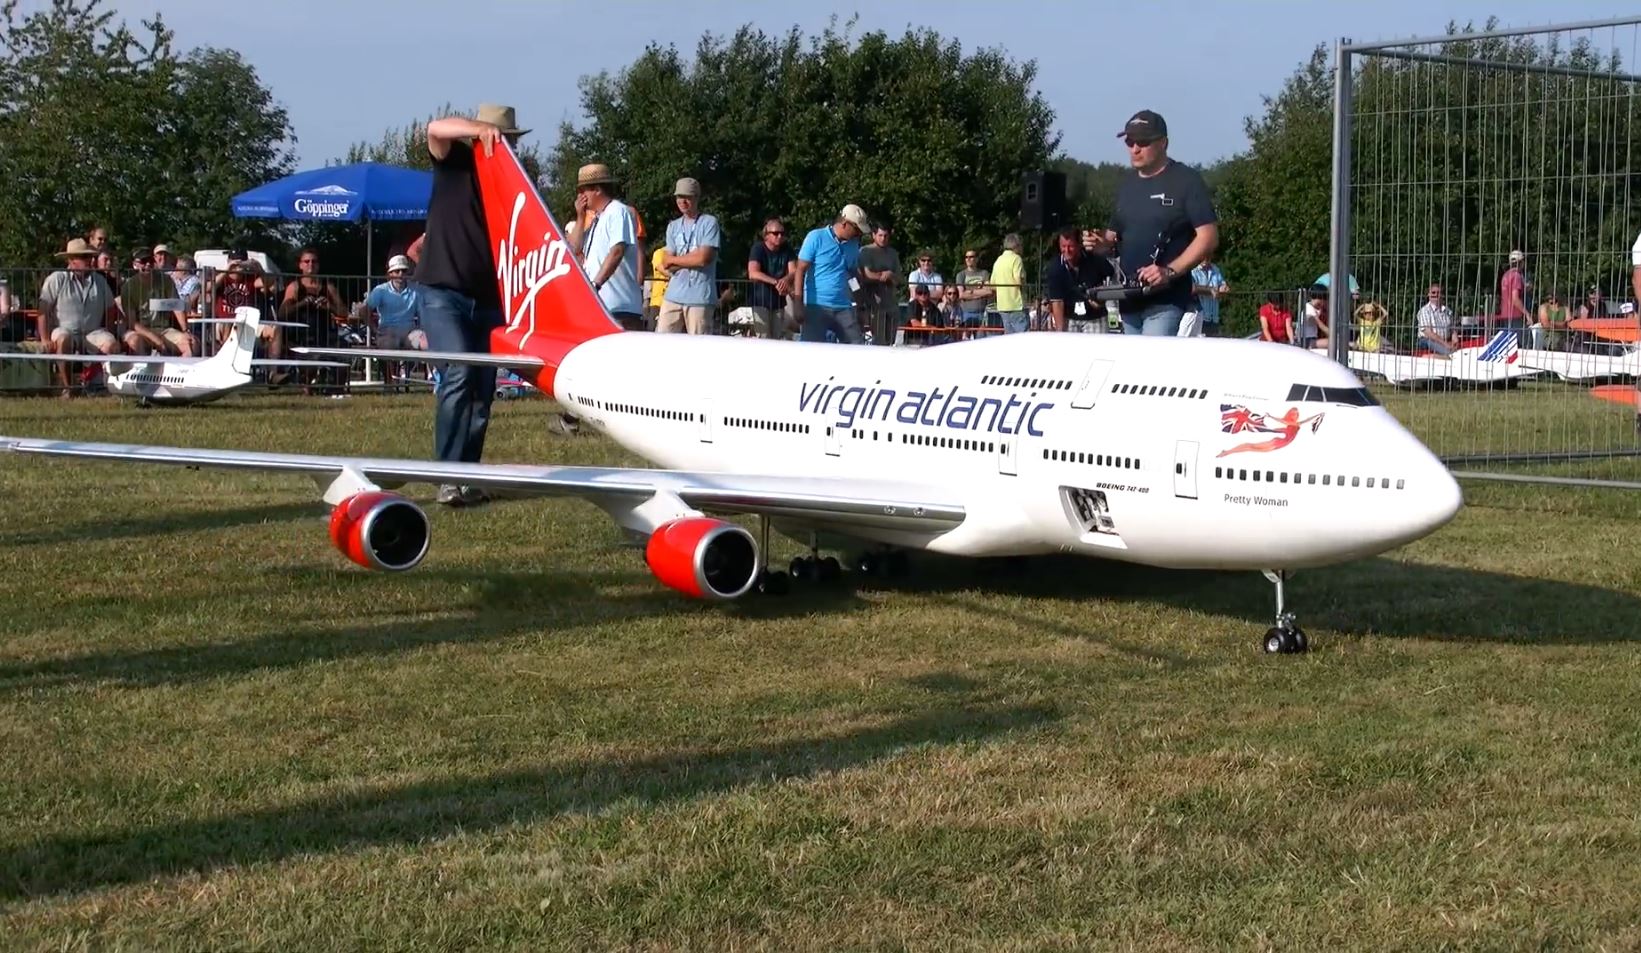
1154	319
1016	321
461	412
841	321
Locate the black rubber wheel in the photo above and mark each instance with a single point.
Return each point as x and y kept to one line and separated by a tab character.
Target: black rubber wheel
896	565
868	564
1300	643
830	570
774	582
802	568
1274	642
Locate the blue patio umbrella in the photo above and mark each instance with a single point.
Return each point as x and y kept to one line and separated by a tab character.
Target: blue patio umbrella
364	191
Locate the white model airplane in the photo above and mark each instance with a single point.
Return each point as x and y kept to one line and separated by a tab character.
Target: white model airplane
1581	366
1198	453
157	379
1497	362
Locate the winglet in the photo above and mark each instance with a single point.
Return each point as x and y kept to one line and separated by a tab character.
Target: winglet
548	304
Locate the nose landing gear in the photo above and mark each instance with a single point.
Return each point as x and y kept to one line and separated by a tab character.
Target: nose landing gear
1285	637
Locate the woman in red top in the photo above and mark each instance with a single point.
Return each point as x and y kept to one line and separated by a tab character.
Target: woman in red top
1274	320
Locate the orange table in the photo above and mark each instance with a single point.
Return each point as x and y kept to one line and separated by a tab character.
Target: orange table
1624	329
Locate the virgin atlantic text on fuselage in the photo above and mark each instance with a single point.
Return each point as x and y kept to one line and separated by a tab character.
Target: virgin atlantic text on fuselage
931	408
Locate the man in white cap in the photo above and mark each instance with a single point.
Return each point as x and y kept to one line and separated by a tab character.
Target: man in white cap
395	307
828	273
1513	293
692	260
460	301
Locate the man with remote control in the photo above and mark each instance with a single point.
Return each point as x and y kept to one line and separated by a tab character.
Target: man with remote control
1163	226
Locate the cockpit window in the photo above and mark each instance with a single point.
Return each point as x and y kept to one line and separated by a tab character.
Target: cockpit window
1354	396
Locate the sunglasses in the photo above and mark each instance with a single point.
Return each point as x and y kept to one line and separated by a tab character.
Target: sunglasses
775	232
925	261
1140	143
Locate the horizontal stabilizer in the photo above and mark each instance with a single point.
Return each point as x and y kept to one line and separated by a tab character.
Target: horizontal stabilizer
426	357
263	324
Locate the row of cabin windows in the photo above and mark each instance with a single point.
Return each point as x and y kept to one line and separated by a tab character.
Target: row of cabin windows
754	423
1039	383
1309	479
656	412
155	379
1095	459
1160	390
949	443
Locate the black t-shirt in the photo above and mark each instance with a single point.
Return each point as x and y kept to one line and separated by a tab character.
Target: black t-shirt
1164	210
1071	282
456	254
774	265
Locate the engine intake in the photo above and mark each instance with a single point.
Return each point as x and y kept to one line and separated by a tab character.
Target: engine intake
380	530
703	558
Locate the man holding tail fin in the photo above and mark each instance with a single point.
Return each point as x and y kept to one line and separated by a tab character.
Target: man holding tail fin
461	303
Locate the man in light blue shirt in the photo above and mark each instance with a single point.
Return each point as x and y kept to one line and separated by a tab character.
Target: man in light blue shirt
1208	284
608	247
396	305
691	257
827	266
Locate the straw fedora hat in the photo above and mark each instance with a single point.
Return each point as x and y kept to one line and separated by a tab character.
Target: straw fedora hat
502	116
594	173
78	248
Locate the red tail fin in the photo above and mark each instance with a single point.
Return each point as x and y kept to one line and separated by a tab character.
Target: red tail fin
548	304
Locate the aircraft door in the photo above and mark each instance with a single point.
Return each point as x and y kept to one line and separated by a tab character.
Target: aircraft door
1008	454
1185	469
707	421
834	440
1091	384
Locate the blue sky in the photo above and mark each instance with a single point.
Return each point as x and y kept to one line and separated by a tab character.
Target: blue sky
348	70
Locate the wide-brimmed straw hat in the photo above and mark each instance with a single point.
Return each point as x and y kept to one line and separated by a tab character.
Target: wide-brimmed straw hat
500	116
594	173
78	248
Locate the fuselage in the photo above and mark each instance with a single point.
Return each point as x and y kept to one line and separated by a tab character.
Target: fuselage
167	382
1206	453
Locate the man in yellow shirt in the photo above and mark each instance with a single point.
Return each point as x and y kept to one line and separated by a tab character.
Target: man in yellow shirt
1008	278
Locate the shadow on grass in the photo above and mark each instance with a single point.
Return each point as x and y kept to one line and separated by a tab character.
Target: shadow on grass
493	606
169	521
1374	597
462	805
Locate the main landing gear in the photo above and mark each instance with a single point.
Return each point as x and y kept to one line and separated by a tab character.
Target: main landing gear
881	563
1285	637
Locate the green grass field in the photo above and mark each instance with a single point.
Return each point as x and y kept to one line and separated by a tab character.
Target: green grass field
219	735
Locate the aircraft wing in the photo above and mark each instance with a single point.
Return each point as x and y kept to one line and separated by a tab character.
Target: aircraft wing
426	357
277	362
102	358
833	501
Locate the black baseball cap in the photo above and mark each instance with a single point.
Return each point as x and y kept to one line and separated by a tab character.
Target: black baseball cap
144	255
1145	126
238	253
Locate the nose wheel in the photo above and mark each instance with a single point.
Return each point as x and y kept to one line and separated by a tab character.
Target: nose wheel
1286	637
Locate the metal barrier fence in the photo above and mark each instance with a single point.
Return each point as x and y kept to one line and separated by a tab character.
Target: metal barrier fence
1496	170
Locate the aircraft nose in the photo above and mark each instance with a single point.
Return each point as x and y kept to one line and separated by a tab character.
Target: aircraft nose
1433	497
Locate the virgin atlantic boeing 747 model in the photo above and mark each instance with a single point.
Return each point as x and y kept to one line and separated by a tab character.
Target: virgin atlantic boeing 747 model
1187	453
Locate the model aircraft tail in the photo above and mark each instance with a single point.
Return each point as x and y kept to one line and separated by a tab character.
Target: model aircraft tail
548	304
236	352
1501	349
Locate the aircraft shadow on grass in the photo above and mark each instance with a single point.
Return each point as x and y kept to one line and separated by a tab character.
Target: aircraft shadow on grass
496	606
170	521
1375	597
464	805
